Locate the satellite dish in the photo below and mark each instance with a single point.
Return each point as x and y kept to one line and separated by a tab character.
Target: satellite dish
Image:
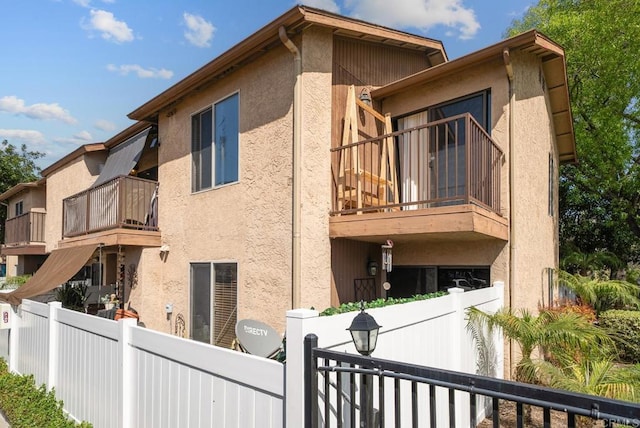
257	338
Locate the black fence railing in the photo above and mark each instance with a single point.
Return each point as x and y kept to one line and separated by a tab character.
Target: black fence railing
345	390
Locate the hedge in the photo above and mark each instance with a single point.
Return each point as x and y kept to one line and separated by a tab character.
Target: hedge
379	303
625	328
27	406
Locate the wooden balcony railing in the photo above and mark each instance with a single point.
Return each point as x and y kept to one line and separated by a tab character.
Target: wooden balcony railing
25	229
124	202
447	162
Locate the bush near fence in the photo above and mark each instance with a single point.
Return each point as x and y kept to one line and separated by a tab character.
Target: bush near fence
26	405
625	328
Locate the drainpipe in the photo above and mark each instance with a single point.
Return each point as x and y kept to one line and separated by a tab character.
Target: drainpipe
512	203
297	168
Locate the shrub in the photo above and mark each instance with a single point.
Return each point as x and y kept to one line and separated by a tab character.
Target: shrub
26	405
13	282
567	307
625	328
379	303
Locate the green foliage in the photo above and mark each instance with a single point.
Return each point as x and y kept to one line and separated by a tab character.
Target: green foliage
27	406
599	201
602	294
625	326
72	296
548	332
17	165
379	303
15	281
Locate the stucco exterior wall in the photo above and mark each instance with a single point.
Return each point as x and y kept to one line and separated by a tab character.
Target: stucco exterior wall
75	177
33	199
248	222
534	231
316	168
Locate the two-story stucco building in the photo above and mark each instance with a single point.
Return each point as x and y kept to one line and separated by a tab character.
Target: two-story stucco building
291	169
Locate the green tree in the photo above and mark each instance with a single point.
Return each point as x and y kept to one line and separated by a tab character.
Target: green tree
17	165
600	202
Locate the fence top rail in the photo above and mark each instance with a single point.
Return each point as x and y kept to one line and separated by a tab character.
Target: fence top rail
597	407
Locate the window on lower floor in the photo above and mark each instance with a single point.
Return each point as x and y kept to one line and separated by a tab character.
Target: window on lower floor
214	288
407	281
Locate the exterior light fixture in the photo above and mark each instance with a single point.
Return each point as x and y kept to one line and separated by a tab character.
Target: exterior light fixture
364	332
372	268
365	96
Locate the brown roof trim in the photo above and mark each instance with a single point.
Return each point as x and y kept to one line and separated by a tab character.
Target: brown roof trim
20	187
294	20
87	148
532	41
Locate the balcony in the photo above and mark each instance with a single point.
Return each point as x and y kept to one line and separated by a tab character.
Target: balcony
439	180
123	211
24	234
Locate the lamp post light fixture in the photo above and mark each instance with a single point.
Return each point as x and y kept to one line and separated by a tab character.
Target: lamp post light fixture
364	332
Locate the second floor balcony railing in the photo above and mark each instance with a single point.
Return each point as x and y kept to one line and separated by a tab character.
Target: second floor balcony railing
124	202
25	229
446	162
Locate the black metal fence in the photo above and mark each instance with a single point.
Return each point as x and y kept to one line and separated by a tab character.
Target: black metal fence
345	390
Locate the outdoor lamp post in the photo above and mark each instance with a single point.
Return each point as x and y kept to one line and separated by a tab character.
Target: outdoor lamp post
364	332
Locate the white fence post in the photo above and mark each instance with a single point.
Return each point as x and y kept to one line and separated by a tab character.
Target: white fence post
125	355
52	370
294	386
14	350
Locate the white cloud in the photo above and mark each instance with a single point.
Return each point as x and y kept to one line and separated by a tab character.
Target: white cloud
199	31
328	5
83	3
109	26
421	14
22	135
143	73
14	105
104	125
82	137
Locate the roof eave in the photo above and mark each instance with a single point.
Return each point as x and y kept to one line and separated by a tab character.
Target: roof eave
530	40
87	148
267	36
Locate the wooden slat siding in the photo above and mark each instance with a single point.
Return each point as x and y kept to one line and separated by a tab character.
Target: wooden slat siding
366	64
348	262
25	228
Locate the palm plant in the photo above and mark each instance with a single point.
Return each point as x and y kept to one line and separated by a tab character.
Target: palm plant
601	294
546	332
586	263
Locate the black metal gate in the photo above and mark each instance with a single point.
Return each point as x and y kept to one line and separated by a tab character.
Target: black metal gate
345	390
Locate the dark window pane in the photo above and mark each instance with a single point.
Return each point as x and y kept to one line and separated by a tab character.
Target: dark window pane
201	302
201	141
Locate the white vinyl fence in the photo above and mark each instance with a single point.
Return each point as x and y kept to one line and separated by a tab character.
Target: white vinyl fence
429	333
116	374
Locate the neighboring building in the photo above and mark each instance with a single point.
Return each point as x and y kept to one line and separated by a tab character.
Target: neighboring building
267	201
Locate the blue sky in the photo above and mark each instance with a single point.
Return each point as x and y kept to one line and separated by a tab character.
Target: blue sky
72	69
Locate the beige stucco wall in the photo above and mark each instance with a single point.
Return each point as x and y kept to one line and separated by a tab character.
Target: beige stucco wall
75	177
248	222
33	199
534	231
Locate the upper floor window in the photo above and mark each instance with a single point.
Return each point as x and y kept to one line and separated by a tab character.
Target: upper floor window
19	208
214	145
